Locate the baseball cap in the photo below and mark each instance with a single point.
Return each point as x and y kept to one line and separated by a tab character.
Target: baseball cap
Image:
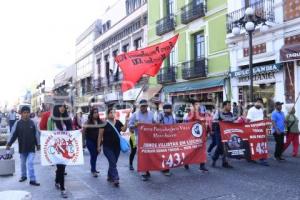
143	102
167	106
278	103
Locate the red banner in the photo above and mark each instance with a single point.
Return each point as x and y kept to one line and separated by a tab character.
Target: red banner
168	146
147	61
246	140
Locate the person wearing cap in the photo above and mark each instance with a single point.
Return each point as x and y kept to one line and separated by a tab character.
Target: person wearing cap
256	113
167	117
278	122
143	115
26	132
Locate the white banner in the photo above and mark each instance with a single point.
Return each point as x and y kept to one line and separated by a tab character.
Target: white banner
61	147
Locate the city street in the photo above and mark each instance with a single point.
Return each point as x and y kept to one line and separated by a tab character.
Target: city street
245	181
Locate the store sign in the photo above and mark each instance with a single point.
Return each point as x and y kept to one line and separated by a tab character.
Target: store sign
260	70
258	77
290	52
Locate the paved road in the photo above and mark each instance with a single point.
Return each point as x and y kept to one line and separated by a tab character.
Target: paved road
245	182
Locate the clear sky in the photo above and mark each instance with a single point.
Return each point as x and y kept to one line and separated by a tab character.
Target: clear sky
38	36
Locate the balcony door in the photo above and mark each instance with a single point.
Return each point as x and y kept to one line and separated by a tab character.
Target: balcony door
199	46
170	7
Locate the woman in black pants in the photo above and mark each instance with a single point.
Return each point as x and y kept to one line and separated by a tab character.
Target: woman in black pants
60	120
92	130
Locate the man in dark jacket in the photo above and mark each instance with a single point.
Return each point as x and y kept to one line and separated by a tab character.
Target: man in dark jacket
27	134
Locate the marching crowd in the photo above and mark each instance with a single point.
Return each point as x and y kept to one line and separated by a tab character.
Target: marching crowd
104	135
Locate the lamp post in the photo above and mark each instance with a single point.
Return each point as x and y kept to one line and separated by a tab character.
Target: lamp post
249	22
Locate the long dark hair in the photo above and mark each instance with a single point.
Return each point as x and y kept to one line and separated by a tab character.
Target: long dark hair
59	117
90	117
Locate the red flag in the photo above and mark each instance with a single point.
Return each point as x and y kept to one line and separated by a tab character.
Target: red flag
147	61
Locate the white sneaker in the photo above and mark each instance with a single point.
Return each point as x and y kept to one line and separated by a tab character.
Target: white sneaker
64	194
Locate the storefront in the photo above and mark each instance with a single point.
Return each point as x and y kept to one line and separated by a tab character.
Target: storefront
267	84
210	91
290	56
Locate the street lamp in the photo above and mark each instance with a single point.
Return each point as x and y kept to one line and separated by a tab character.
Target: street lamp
249	22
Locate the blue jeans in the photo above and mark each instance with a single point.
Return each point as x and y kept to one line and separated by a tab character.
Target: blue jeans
27	163
92	147
112	156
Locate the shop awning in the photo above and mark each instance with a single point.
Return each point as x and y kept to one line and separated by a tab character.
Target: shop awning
290	52
150	93
195	85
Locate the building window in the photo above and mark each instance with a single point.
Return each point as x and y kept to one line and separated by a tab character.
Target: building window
170	7
171	58
125	48
99	66
108	24
107	72
137	43
115	53
199	51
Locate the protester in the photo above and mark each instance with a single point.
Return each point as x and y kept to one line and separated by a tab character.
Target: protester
133	148
44	117
27	134
91	130
256	113
111	144
167	117
278	121
142	116
243	118
77	124
213	135
77	121
292	124
12	117
224	115
235	110
195	115
61	121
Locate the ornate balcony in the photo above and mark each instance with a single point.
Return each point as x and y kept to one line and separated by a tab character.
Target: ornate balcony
264	9
167	75
192	11
194	69
165	25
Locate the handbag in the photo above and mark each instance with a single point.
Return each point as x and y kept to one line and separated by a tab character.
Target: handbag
290	126
124	145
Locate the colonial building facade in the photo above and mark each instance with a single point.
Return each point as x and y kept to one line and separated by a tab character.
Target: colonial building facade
275	78
124	29
198	66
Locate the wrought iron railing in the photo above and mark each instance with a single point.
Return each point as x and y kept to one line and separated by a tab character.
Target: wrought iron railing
167	75
192	11
263	9
194	69
165	25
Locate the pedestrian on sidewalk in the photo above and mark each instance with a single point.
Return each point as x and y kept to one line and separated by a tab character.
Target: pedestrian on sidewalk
167	117
12	117
28	137
196	115
278	122
292	124
60	121
91	130
256	113
224	115
143	115
111	144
